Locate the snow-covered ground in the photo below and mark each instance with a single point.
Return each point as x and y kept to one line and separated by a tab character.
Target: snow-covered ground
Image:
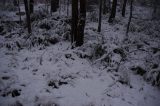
105	71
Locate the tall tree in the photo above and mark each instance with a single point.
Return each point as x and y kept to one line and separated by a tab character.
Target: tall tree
100	16
4	2
27	16
113	11
47	6
104	7
54	5
78	22
74	21
108	4
19	9
15	3
155	3
81	23
130	17
67	7
31	6
124	8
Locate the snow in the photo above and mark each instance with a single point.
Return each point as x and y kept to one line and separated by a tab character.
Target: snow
55	75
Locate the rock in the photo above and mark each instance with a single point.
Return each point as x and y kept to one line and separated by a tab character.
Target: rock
155	50
34	70
120	52
52	40
155	66
15	93
62	83
53	84
138	70
68	56
5	77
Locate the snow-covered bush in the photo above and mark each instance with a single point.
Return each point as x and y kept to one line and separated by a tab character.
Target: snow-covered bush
153	77
7	26
91	50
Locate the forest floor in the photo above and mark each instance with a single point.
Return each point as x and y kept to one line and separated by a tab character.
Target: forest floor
108	70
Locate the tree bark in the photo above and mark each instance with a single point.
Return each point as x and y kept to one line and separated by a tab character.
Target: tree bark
27	16
74	21
19	9
104	7
15	3
108	3
54	5
100	16
124	8
155	2
67	7
31	6
81	23
130	17
47	5
113	11
4	2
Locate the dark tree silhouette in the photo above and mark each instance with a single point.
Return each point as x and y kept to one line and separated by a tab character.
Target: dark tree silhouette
54	5
105	10
74	21
27	16
4	2
78	22
108	5
130	17
81	23
15	2
67	7
113	11
155	3
124	8
100	16
31	6
20	19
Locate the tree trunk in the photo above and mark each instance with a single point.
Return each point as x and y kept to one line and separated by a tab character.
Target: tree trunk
108	3
4	2
113	11
46	5
104	7
27	16
81	23
67	7
124	8
100	16
130	17
31	6
155	2
74	21
15	3
19	9
54	5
